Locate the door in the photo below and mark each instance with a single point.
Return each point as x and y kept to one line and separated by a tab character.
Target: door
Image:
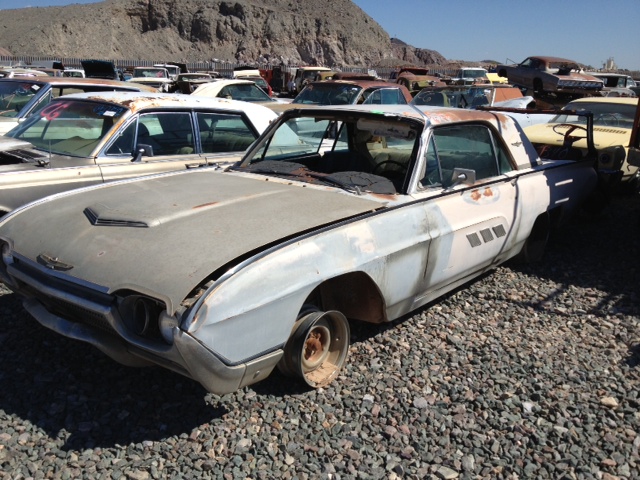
469	221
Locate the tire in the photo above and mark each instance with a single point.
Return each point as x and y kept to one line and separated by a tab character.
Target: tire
537	87
317	348
535	245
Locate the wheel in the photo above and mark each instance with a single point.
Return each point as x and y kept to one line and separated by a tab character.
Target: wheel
537	86
317	348
535	245
403	168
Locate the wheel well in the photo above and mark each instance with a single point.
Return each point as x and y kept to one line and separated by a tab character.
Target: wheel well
354	294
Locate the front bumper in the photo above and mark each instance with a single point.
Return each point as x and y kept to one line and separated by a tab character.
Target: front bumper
96	321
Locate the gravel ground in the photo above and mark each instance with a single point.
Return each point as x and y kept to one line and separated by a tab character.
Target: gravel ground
528	372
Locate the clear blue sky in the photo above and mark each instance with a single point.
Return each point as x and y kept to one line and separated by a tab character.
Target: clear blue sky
587	31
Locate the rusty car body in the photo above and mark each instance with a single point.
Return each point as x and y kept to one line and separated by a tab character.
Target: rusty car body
415	78
85	139
366	214
544	75
21	97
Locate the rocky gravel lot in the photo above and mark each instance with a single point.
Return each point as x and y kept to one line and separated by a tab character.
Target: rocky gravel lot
528	372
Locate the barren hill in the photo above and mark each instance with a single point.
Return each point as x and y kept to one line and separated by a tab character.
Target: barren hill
338	33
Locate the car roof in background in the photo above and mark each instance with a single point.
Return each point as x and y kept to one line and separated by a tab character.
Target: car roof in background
137	101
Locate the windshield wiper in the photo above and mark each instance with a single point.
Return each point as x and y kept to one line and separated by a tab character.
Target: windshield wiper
300	171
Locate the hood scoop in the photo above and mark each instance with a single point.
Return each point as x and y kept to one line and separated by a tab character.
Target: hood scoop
103	216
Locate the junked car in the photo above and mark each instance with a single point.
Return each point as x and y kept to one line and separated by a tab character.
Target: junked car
21	97
236	89
478	96
612	126
544	75
367	213
156	77
86	139
616	84
364	90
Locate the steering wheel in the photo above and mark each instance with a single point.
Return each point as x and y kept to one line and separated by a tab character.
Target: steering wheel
403	167
609	119
571	128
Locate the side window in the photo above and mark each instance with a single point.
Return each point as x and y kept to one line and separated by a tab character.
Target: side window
58	92
224	133
166	133
431	175
470	147
123	145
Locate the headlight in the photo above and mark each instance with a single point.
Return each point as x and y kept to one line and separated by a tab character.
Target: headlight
141	315
612	157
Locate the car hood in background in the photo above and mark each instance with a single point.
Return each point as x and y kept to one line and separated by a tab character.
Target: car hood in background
99	69
182	227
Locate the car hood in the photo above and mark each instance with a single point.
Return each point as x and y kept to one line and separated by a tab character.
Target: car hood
7	123
163	235
18	155
603	136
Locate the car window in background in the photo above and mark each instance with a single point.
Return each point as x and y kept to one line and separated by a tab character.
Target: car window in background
68	128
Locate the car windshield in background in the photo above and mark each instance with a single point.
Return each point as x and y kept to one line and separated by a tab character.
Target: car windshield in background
328	94
454	97
355	154
69	128
604	114
246	92
149	73
15	95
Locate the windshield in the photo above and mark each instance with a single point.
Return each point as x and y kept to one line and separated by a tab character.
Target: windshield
150	73
69	127
455	97
328	94
356	154
14	96
604	114
247	92
474	73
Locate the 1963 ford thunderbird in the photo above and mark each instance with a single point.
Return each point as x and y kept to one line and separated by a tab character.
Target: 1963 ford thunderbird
356	212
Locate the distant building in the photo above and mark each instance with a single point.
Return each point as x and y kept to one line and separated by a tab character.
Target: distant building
610	64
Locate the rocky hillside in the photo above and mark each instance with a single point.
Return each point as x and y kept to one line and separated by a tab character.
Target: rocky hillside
275	31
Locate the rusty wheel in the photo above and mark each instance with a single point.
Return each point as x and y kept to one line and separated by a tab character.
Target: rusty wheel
317	348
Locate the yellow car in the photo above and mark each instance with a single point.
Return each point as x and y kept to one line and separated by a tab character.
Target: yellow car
612	125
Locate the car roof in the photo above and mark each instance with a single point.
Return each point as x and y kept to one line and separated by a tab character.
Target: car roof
423	113
552	59
137	101
608	74
70	81
357	82
618	100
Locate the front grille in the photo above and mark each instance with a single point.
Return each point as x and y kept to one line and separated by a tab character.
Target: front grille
75	313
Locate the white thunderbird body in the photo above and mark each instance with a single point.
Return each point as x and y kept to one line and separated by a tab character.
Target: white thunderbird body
355	212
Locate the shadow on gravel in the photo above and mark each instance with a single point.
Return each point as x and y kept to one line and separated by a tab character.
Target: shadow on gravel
74	393
633	360
598	253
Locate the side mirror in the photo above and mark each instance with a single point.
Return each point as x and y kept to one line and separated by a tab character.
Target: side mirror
463	176
143	150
